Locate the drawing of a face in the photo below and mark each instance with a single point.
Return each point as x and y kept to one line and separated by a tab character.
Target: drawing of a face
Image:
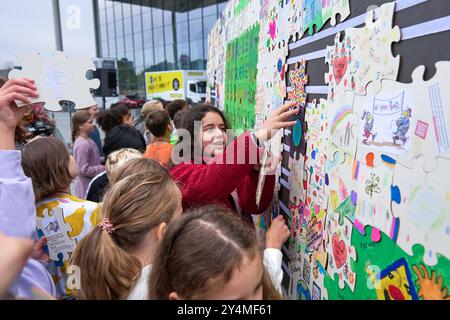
395	283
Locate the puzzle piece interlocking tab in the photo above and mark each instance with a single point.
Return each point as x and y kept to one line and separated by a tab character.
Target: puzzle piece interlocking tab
58	77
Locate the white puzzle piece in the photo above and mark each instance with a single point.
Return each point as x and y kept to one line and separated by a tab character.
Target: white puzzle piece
58	78
316	13
364	55
373	199
317	143
423	122
340	251
422	210
53	226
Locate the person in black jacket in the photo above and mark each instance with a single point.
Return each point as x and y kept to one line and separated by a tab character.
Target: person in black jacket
120	137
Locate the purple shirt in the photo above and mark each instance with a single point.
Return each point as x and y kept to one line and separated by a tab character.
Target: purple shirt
86	154
18	219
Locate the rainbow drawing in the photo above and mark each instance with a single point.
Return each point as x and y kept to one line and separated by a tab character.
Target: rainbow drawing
340	115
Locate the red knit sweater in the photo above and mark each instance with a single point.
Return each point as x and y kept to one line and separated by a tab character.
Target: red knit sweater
212	183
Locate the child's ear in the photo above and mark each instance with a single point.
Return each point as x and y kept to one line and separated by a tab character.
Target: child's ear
174	296
161	231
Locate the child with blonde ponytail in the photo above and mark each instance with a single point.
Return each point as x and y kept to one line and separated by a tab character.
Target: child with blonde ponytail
115	258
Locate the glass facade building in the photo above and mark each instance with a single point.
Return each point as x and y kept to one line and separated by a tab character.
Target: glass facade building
145	35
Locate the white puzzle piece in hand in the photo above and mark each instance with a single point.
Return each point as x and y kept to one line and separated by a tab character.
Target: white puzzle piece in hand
56	230
58	78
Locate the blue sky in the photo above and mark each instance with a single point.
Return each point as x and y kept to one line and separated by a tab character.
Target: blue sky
28	26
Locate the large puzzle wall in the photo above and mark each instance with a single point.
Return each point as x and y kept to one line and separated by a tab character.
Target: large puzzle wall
365	176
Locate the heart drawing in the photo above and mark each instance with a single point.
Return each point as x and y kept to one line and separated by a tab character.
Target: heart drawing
339	251
339	68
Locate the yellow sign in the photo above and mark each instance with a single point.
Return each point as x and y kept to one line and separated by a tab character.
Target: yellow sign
158	82
196	74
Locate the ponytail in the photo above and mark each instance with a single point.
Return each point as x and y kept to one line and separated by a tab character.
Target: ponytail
133	207
75	133
107	271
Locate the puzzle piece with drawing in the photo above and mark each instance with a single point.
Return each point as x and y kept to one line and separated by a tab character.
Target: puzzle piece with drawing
373	196
340	251
298	80
407	120
430	123
306	278
364	55
53	226
421	204
58	78
316	154
297	178
342	190
317	13
343	123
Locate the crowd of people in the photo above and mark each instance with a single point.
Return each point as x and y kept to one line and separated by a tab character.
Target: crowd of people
139	225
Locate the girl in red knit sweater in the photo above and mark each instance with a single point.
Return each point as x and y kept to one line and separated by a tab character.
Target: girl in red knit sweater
214	172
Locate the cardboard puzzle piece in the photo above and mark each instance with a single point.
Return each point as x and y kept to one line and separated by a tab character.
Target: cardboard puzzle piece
343	189
395	282
343	124
235	25
306	277
284	12
373	198
316	155
386	272
340	251
296	21
272	149
385	121
422	205
58	78
270	79
316	13
53	226
364	55
307	222
216	62
298	224
298	135
297	179
440	176
430	284
240	86
298	80
430	125
413	115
